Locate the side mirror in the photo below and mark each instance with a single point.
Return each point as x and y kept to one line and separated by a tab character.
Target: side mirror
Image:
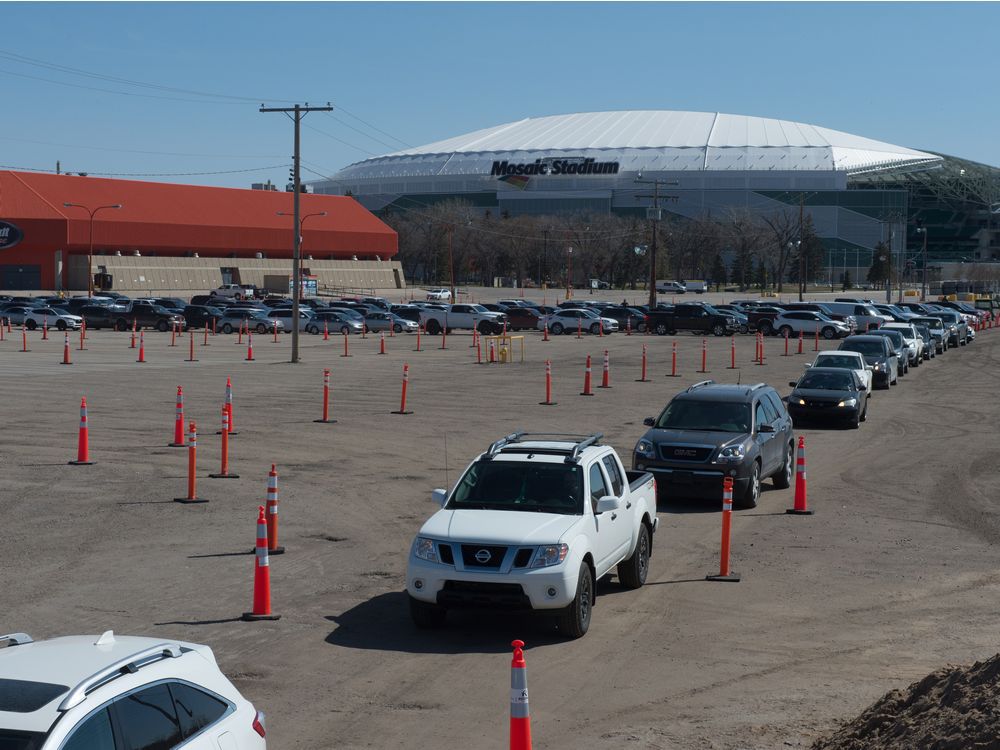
607	503
792	383
439	496
649	421
765	428
807	366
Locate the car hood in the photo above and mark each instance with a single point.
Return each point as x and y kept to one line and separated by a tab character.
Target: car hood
819	394
660	436
499	526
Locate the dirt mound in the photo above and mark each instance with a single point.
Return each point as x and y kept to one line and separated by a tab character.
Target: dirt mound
955	708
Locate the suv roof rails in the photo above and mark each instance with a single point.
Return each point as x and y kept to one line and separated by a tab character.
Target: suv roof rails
700	384
16	639
755	386
128	665
579	442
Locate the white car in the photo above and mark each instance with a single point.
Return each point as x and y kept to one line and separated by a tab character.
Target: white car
791	322
848	361
51	317
670	287
108	692
913	340
534	523
439	294
572	319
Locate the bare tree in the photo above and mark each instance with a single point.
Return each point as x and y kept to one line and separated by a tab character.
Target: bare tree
784	230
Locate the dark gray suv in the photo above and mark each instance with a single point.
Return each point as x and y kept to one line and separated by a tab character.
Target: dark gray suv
710	431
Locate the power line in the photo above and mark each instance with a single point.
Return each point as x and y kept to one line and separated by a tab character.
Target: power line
145	174
339	140
340	108
135	151
358	130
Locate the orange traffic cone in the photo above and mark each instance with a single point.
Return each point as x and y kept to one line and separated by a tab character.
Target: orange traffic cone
520	718
83	444
725	574
261	575
192	494
142	349
229	407
273	548
800	508
178	421
66	360
249	347
586	380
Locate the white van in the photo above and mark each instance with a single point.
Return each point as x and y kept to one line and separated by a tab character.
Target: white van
866	315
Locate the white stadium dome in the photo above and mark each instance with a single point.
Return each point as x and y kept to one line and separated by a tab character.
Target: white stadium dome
650	140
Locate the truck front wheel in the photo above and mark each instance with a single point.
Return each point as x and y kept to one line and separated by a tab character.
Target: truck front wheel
575	619
718	329
162	326
632	572
433	327
426	615
121	324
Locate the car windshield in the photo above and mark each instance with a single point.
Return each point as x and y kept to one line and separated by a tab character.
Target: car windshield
838	360
589	313
713	416
950	317
826	381
932	323
20	740
870	348
520	486
478	308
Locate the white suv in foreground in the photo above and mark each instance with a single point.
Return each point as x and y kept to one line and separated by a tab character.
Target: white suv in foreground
112	692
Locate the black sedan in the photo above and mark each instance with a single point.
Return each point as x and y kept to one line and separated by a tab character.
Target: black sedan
627	317
97	316
200	316
829	394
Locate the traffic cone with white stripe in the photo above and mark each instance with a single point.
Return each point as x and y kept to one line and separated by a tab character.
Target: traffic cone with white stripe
224	472
261	575
229	406
520	715
192	484
606	376
586	380
66	360
83	444
142	349
249	357
800	508
273	548
725	574
178	421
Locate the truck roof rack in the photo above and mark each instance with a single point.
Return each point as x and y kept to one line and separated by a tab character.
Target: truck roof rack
577	441
128	665
700	384
16	639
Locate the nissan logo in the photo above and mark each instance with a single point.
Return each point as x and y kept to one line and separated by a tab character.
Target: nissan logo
483	556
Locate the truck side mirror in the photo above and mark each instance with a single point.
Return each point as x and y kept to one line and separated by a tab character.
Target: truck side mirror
439	496
607	504
791	383
649	421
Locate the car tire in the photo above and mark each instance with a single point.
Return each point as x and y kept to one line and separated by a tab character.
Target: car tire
719	330
828	333
783	479
32	325
661	329
752	494
262	328
121	324
557	328
765	327
427	616
485	327
633	571
397	328
864	414
433	327
345	330
574	621
314	330
785	332
641	327
595	329
226	328
162	326
744	329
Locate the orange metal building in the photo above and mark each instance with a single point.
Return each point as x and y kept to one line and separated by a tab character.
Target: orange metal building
38	233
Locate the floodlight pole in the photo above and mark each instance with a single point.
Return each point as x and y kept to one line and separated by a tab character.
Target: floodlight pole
296	114
90	251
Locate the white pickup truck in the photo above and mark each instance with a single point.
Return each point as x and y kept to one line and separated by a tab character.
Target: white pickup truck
533	524
234	291
462	316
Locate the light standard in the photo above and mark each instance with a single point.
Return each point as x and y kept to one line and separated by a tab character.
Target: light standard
921	229
90	252
297	277
569	272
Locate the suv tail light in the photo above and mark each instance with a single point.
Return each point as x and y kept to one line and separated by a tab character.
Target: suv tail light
259	723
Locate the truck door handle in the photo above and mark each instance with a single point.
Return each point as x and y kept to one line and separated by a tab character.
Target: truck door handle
628	504
614	516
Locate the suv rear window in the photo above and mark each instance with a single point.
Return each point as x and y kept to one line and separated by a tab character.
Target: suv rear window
714	416
20	740
24	696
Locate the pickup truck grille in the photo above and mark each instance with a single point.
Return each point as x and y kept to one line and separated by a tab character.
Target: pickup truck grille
508	596
482	555
685	452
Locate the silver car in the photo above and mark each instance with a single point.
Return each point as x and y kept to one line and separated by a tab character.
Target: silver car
335	321
251	320
383	321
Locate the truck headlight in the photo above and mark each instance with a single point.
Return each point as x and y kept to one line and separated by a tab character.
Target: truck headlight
645	449
551	554
848	402
424	549
877	366
800	401
733	452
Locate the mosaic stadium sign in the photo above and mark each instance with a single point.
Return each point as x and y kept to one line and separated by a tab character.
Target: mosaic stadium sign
551	167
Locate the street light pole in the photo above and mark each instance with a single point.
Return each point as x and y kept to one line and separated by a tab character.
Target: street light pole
297	274
451	261
569	271
654	217
923	283
90	251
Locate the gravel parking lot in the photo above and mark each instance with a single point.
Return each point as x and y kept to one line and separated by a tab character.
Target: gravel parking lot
894	576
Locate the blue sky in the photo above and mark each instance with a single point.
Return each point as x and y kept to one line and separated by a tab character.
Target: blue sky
921	75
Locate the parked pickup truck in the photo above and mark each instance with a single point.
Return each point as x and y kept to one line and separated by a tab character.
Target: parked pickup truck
695	317
146	314
462	316
234	291
532	524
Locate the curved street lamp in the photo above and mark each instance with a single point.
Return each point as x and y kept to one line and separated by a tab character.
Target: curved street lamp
90	252
297	280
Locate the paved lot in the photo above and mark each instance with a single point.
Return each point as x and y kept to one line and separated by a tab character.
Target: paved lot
894	575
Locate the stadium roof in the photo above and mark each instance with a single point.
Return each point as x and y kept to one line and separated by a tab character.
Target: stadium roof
694	140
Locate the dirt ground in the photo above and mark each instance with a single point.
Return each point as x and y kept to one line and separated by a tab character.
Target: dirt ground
893	577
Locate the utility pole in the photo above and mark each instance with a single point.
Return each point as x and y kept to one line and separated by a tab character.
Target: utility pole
654	215
296	114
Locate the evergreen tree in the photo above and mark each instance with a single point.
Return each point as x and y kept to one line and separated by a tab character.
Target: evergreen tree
878	274
719	275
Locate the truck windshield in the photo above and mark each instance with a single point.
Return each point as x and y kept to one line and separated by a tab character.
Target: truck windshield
712	416
521	486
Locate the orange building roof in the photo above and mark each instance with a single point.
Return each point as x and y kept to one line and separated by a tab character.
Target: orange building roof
188	217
